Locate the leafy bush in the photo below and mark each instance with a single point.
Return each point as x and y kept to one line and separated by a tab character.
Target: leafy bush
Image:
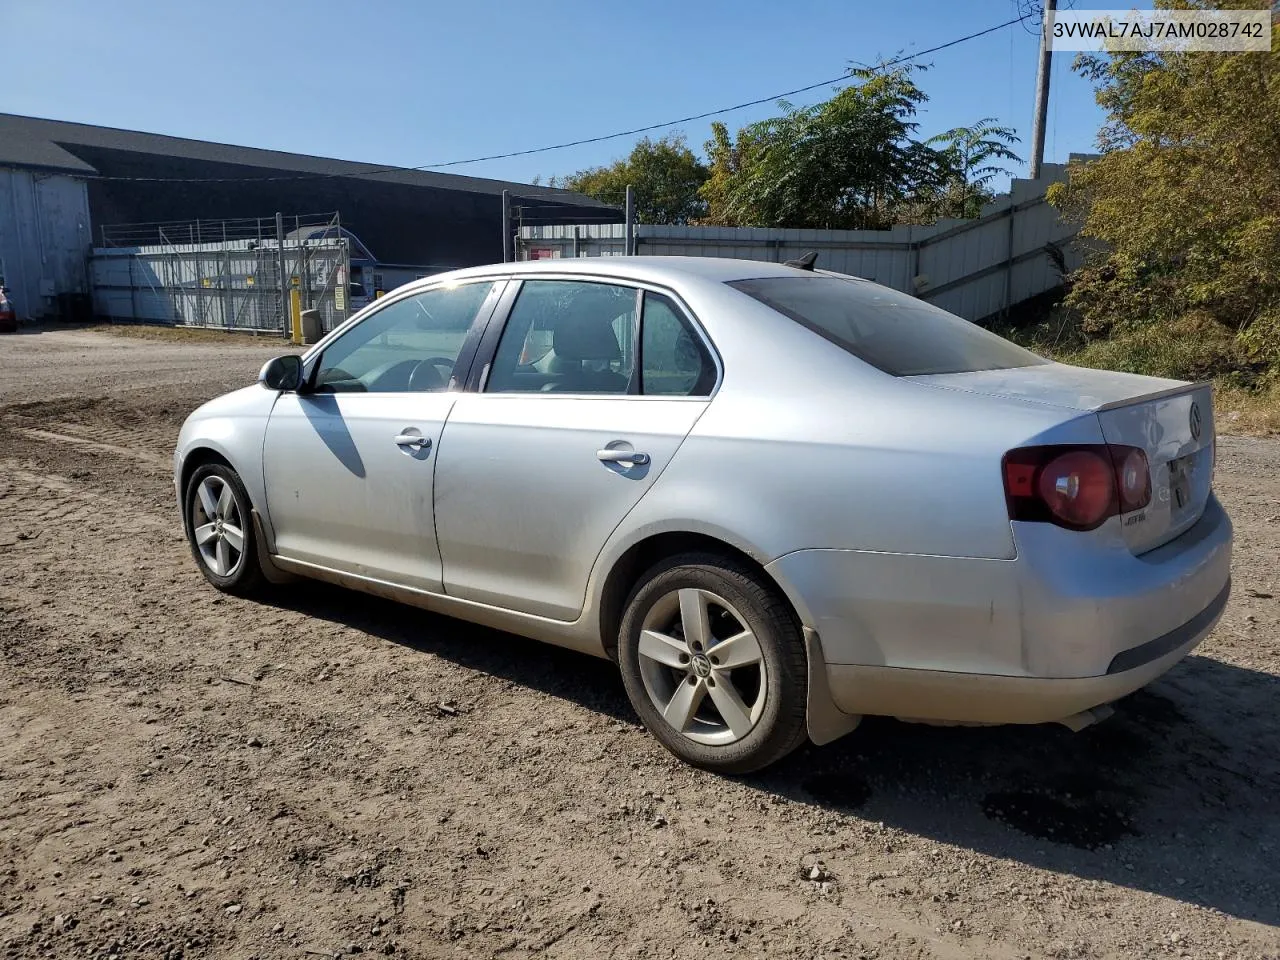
1184	204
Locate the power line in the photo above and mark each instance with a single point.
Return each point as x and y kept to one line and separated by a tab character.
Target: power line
573	143
1033	11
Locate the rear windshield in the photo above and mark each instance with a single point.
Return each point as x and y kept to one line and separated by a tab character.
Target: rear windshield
891	331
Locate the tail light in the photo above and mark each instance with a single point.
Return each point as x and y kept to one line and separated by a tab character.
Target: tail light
1076	486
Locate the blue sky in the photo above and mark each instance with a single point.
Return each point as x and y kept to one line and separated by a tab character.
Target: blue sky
404	82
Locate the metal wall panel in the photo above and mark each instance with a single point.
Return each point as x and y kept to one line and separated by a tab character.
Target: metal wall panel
231	286
975	268
44	238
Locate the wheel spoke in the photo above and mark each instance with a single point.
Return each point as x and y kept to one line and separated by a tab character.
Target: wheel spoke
684	704
695	619
740	650
221	559
226	501
208	502
664	649
205	533
234	536
732	710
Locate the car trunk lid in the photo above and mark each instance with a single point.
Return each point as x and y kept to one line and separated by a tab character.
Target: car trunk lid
1171	421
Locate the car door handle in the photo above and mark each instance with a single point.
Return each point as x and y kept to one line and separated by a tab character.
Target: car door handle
622	456
413	440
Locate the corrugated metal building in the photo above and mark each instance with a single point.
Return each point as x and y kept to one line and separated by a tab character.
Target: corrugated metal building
60	181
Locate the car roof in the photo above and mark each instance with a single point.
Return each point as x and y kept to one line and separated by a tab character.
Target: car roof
653	269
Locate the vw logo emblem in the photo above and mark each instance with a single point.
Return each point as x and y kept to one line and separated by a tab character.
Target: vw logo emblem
1195	421
701	666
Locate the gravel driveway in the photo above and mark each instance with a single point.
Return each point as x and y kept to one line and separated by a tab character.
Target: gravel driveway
184	774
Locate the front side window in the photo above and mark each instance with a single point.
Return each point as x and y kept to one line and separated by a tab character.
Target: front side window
410	345
891	331
567	336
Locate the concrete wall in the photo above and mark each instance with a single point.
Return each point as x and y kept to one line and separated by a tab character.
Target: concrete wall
45	237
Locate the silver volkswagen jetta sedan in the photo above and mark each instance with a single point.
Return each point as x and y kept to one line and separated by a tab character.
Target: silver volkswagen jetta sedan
780	499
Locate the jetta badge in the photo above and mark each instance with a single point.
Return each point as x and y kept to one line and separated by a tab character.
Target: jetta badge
1195	421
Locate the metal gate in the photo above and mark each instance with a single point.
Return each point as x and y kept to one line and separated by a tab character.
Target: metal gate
226	275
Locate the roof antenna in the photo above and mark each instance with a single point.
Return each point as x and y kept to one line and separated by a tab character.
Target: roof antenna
803	263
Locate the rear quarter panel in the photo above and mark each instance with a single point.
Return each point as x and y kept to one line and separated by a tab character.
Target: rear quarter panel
805	446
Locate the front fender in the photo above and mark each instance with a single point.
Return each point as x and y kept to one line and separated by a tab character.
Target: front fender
234	427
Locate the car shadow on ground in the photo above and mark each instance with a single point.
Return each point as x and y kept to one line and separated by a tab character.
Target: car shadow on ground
1178	794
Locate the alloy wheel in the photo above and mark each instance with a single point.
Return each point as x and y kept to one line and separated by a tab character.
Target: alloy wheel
218	526
702	666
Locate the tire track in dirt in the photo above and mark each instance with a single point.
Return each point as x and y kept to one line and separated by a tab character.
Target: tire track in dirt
85	443
37	499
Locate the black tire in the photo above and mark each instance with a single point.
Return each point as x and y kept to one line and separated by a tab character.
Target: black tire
780	726
245	578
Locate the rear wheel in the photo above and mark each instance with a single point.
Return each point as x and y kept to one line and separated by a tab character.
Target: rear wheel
219	522
714	664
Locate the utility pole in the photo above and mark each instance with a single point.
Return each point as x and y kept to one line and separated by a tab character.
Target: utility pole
629	232
284	281
1042	91
507	256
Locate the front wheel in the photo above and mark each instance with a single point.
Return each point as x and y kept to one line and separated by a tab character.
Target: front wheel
219	522
714	664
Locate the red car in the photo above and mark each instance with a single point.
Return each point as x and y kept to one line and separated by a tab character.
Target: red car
8	319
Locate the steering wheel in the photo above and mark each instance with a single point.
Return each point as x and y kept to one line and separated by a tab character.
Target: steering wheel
426	376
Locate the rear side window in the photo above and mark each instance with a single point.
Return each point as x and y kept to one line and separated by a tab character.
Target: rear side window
891	331
673	361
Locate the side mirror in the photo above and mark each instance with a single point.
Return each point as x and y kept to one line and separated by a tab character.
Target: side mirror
282	373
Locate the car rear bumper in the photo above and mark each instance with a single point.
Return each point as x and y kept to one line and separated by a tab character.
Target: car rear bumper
1063	627
987	698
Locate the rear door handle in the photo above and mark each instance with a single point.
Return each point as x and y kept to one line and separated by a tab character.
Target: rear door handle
622	456
413	440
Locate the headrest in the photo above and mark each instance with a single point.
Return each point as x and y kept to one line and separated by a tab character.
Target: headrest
585	338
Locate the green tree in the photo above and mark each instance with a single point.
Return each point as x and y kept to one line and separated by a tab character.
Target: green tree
971	155
726	161
666	176
848	162
1185	205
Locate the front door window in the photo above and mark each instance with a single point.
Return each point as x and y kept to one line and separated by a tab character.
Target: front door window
410	345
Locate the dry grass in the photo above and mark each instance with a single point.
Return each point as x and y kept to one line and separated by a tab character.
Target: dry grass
1247	412
1194	348
146	331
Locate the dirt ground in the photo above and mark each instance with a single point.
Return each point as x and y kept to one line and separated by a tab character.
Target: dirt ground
184	774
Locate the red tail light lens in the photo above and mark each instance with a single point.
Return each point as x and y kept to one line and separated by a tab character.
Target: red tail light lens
1133	478
1076	486
1079	488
